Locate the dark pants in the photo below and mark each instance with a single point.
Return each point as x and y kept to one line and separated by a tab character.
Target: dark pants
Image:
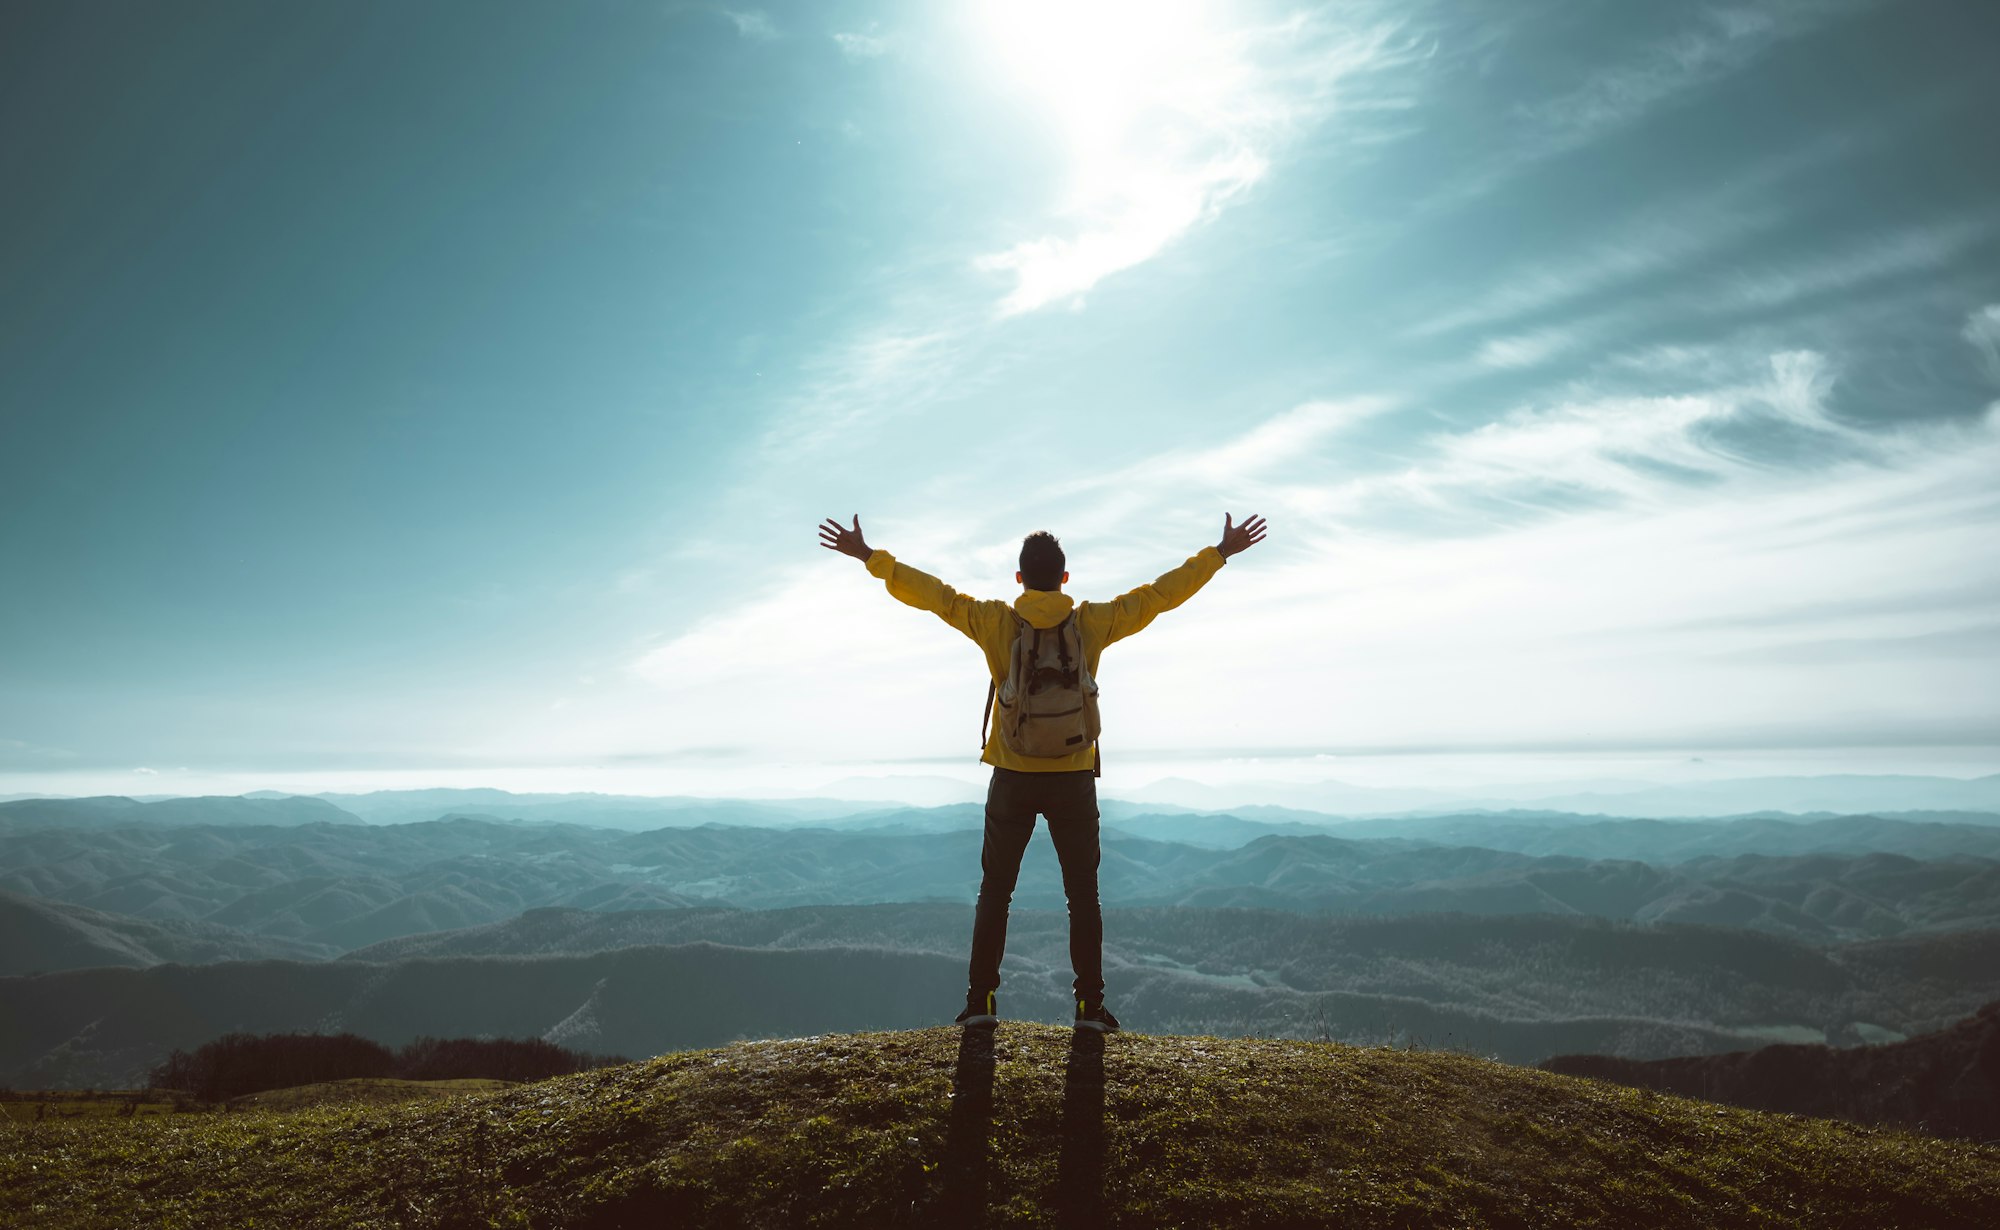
1013	800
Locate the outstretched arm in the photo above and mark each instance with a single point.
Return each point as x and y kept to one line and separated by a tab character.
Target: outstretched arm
910	586
1134	610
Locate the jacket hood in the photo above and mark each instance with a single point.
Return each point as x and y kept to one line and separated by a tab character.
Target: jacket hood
1043	608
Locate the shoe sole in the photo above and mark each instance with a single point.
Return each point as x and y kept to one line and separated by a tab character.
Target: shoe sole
981	1019
1097	1026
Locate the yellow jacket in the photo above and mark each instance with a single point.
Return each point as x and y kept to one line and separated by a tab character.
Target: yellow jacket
990	624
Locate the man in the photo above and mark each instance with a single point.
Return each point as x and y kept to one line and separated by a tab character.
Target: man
1063	786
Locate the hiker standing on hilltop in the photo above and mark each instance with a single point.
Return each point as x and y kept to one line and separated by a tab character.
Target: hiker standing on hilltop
1041	653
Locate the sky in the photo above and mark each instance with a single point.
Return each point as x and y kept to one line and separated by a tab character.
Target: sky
447	393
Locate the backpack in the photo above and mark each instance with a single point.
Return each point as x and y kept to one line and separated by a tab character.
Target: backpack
1048	702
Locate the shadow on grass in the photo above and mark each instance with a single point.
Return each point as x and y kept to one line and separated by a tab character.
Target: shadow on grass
1080	1165
968	1144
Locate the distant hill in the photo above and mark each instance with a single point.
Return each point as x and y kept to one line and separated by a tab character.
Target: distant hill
1833	792
1677	841
1842	793
613	811
1521	988
351	885
1946	1083
1369	979
107	1027
117	811
1035	1125
38	936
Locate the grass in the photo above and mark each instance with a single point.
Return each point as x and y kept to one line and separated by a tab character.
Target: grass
1027	1127
364	1091
29	1107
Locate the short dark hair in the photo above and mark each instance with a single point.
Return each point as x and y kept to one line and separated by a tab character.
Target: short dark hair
1042	561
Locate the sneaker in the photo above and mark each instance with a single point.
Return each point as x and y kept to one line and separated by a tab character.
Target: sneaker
981	1008
1095	1016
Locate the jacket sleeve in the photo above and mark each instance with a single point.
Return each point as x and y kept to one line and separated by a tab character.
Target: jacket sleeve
1129	612
907	585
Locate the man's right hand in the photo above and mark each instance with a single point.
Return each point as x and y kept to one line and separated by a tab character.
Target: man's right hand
1240	537
836	537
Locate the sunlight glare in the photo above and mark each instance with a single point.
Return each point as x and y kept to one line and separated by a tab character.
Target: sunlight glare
1097	67
1158	116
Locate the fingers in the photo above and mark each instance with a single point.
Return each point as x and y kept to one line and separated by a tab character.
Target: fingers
1251	532
1225	523
857	523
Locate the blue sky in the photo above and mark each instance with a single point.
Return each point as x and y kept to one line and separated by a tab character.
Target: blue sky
448	391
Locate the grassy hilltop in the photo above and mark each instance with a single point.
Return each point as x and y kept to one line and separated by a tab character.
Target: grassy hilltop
1028	1126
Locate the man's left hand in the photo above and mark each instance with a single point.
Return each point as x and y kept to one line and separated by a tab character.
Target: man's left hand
836	537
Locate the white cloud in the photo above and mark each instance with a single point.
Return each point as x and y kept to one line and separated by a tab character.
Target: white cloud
1678	237
1982	329
1674	237
1637	447
1524	350
1916	249
1166	117
752	24
881	370
1639	620
863	46
1265	460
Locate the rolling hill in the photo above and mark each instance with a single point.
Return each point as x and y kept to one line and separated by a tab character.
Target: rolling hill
38	936
1033	1126
117	811
351	885
1522	989
1946	1083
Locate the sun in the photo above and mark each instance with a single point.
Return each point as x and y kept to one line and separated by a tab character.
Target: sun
1106	75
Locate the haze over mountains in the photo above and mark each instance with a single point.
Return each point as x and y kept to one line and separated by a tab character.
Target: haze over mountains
1837	793
131	927
1834	794
348	885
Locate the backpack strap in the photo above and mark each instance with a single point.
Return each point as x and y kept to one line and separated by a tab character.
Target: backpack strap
993	684
986	714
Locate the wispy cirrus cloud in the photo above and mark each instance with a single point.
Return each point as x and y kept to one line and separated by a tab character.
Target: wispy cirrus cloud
1717	42
1922	248
1842	279
752	24
1982	329
866	44
1640	448
1632	614
887	369
1714	44
1524	350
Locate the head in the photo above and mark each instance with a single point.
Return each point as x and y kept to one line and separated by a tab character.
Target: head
1042	562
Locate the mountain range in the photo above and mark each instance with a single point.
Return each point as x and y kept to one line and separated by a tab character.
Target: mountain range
117	811
1520	988
52	935
1946	1083
345	886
